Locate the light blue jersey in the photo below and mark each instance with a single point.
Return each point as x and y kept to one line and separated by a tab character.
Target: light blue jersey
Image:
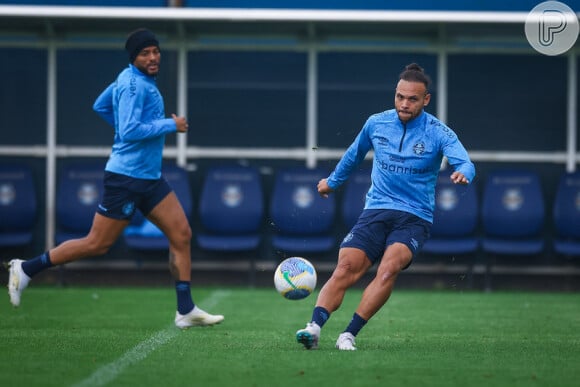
406	162
134	107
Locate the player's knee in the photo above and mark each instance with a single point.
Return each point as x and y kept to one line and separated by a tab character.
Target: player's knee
184	233
95	248
388	273
386	276
182	236
344	272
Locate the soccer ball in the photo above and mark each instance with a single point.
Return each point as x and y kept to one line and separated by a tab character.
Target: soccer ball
295	278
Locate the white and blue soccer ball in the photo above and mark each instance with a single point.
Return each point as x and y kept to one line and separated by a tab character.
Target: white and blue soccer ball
295	278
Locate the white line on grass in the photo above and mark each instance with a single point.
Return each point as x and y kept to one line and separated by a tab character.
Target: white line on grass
109	372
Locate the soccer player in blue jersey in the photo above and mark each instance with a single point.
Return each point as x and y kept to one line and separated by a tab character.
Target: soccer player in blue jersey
133	105
408	145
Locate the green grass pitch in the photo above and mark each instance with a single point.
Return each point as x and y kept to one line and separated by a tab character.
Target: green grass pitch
126	337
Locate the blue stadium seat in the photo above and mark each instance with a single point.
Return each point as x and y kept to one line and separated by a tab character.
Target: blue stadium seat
79	191
143	235
301	218
231	209
455	219
567	216
513	213
355	192
18	205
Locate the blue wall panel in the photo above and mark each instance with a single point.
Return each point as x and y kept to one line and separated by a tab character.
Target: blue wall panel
23	97
247	99
509	102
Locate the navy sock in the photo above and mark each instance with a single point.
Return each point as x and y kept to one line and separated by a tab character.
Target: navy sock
36	265
184	301
320	316
356	324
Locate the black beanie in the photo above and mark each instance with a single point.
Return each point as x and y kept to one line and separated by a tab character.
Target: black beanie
138	40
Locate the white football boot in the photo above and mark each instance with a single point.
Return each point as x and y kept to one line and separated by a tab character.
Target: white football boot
309	336
346	342
197	318
17	281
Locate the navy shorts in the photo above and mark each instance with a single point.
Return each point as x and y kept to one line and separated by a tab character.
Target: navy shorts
377	229
123	194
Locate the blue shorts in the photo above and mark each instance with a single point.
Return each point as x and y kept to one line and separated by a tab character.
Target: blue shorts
123	194
375	230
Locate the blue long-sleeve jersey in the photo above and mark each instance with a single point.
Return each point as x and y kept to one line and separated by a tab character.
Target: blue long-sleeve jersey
407	159
134	107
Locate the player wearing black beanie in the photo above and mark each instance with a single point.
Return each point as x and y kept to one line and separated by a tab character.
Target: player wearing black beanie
138	40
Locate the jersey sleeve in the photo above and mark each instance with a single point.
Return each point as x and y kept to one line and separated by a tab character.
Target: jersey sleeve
456	154
131	125
103	105
353	156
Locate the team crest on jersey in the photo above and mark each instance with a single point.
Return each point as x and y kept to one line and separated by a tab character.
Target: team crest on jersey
419	148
